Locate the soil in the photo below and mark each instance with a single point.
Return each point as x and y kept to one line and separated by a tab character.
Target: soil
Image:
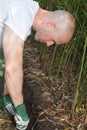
48	100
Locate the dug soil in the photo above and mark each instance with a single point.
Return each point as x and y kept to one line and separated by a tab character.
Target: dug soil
48	99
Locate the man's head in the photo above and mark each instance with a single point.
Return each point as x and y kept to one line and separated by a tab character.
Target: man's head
54	27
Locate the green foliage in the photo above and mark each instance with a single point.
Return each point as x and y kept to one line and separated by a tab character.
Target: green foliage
2	63
79	79
2	66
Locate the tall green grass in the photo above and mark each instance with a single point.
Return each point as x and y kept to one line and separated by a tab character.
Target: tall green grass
74	53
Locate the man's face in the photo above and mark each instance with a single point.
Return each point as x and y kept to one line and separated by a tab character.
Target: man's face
45	37
50	37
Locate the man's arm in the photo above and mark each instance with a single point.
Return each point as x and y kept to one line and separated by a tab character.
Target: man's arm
13	51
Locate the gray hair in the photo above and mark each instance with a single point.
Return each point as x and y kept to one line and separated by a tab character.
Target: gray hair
65	22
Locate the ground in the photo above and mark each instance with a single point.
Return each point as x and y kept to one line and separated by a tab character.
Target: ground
48	99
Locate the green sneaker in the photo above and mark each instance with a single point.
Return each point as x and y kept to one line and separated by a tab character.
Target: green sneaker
21	117
6	102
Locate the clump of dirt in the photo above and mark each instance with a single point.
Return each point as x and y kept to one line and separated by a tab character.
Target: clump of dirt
48	99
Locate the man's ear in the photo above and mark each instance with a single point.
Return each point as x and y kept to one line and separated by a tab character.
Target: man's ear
51	24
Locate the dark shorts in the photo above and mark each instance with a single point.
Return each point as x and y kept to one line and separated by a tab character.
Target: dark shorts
2	66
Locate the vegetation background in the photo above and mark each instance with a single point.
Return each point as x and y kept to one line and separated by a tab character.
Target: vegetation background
74	54
56	61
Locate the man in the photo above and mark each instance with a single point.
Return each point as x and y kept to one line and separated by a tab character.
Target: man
17	17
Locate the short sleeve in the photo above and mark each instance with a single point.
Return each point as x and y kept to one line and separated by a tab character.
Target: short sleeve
20	20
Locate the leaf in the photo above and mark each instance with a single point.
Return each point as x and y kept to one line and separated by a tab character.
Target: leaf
1	73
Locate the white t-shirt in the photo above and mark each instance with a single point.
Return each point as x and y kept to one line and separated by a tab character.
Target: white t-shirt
18	15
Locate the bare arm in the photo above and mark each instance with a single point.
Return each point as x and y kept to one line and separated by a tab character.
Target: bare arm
13	51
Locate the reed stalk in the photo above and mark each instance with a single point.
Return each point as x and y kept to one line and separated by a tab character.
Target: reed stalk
79	79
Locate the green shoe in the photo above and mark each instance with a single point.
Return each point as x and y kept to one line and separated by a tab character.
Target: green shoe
6	102
21	117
